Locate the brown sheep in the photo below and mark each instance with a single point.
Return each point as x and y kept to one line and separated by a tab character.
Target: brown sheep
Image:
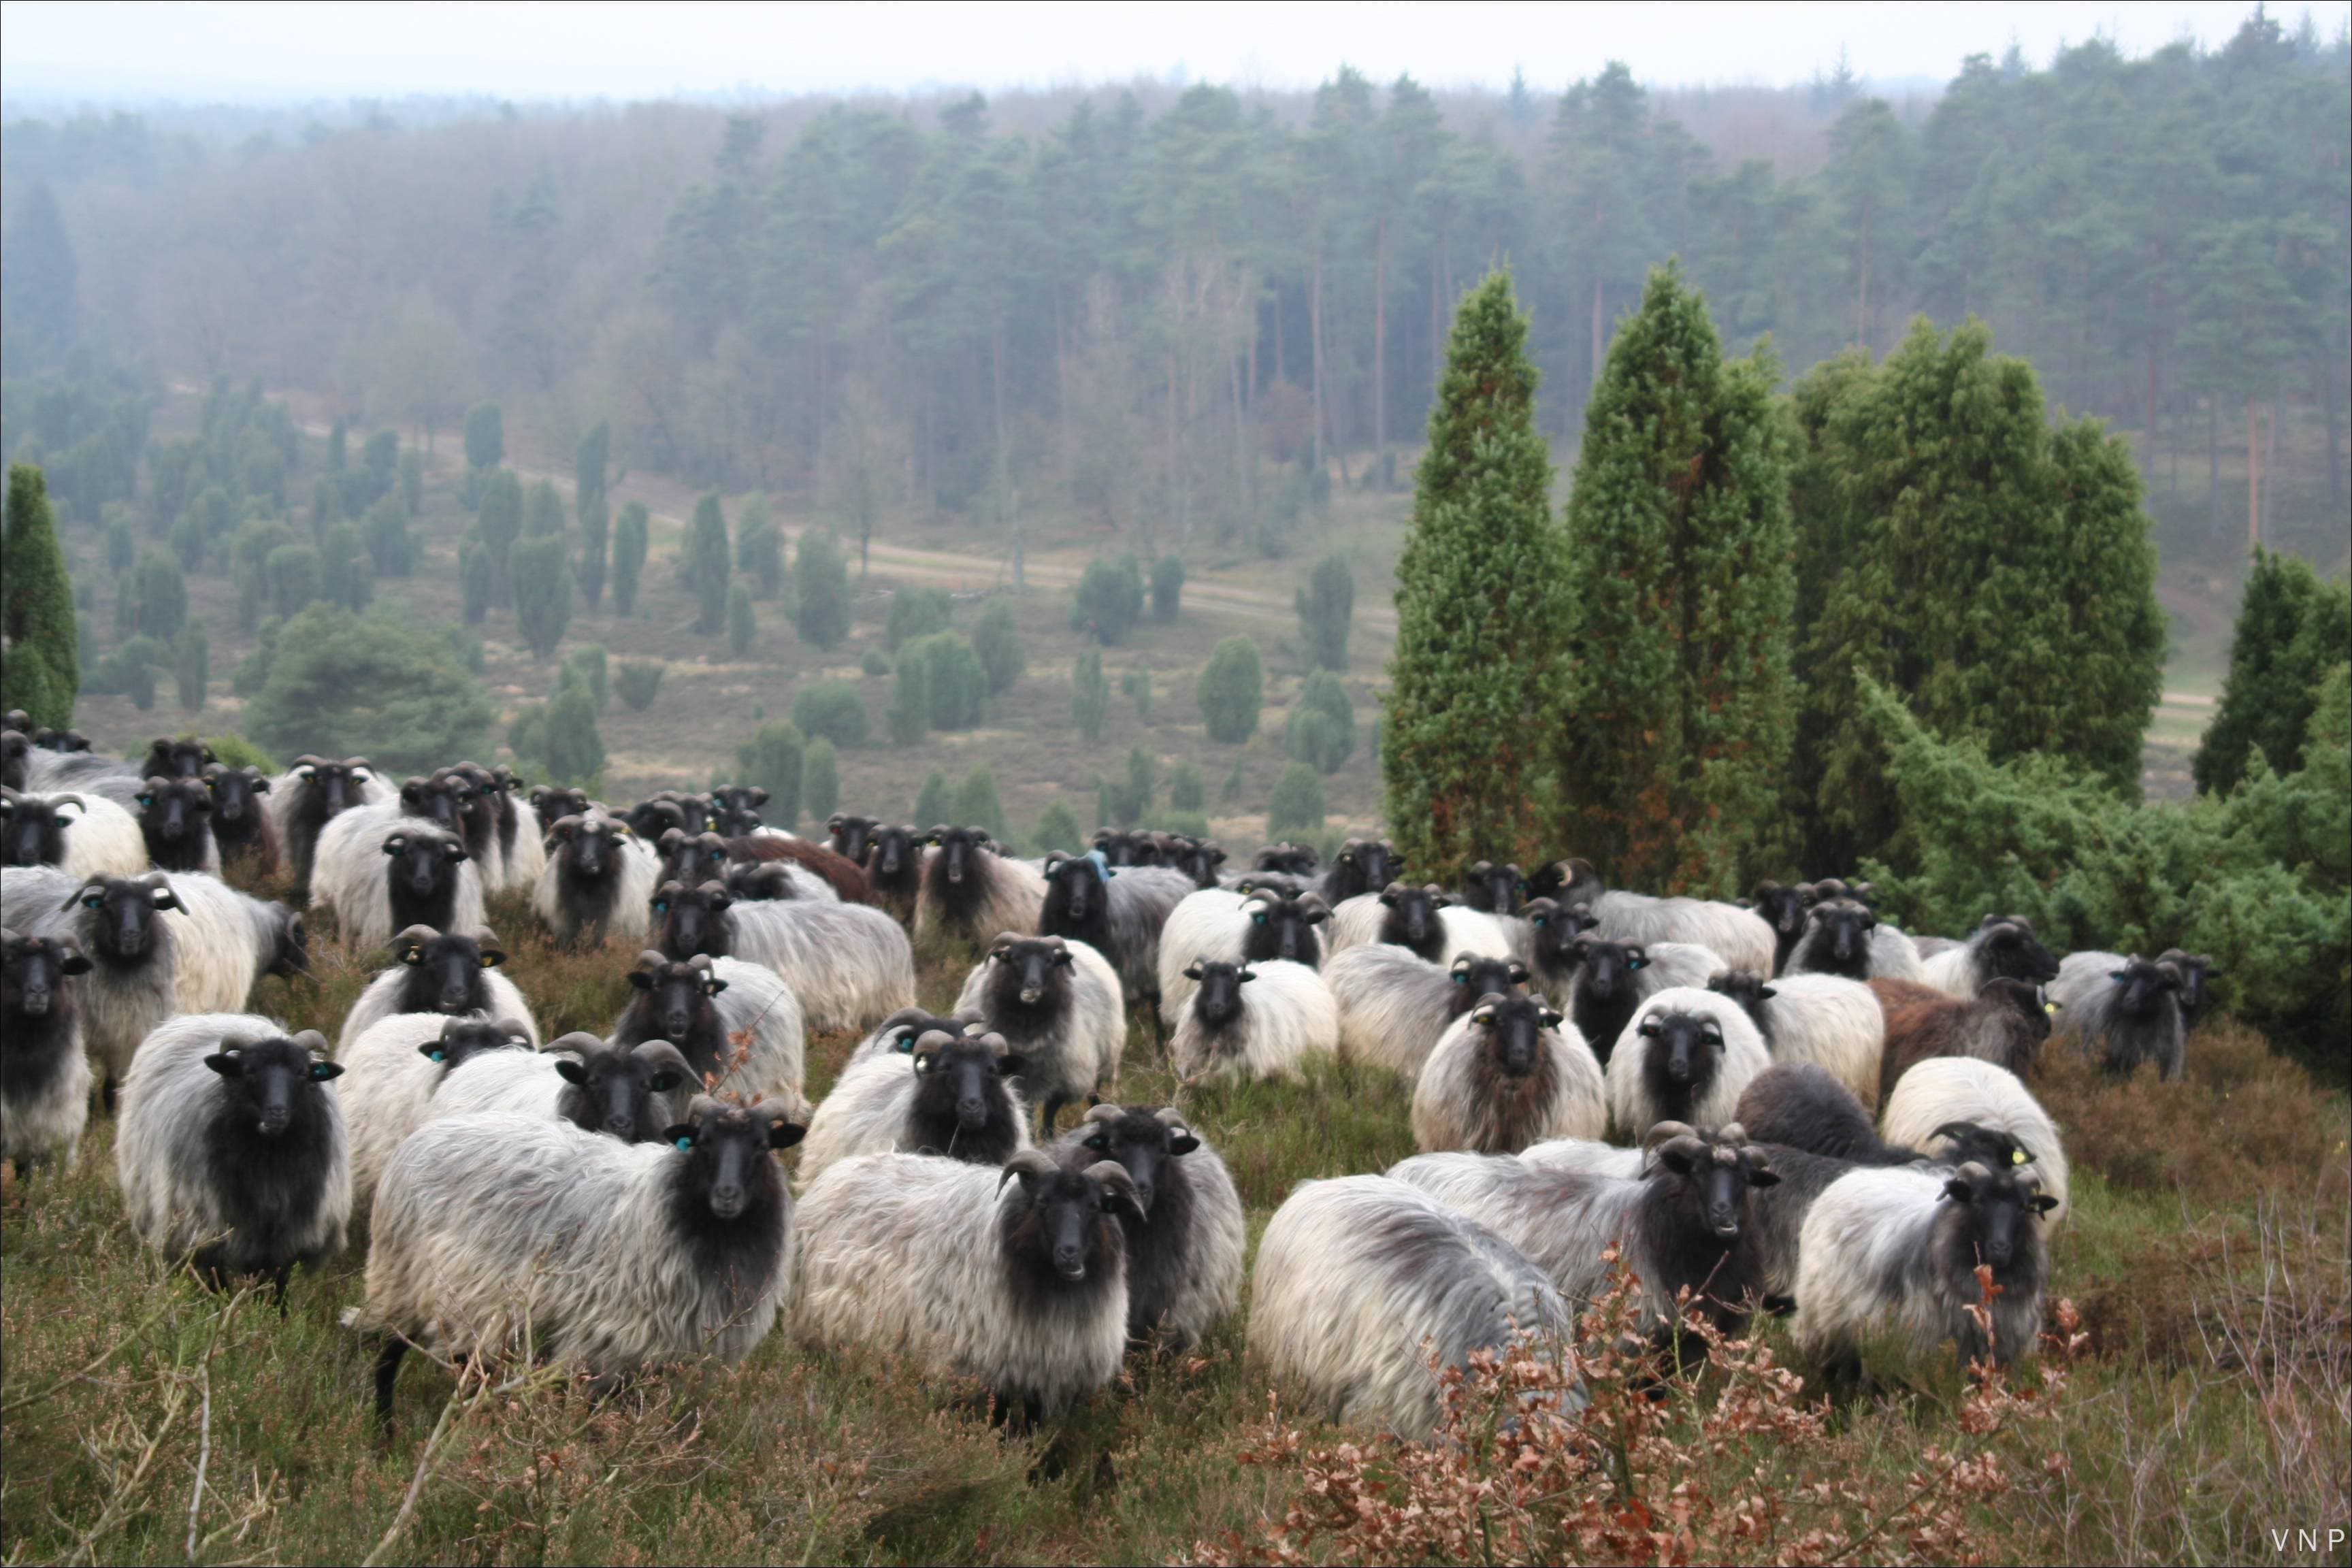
2005	1024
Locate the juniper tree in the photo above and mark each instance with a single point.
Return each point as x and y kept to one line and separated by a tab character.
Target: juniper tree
772	760
1479	606
42	668
629	540
1327	606
742	623
976	804
162	594
821	588
933	803
1230	690
2292	630
1675	693
499	525
704	564
190	665
1090	695
820	779
998	642
543	592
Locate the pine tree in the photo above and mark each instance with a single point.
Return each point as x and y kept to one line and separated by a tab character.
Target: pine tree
1675	692
42	673
1327	606
629	536
1230	690
1090	695
706	563
1321	730
2292	630
1479	606
191	666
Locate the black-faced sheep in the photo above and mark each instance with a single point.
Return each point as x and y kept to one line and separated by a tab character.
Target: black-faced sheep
44	1075
1393	1004
232	1147
448	972
181	758
381	872
1199	860
1552	930
2005	1025
850	837
1893	1255
1058	1004
176	821
848	965
692	858
82	835
899	1031
1493	889
119	924
1505	1075
1399	915
1254	1020
241	822
1782	908
1844	936
949	1094
2195	970
550	804
1119	914
1612	979
1235	926
1360	1280
623	1092
971	893
817	872
2121	1011
1015	1278
1740	937
597	884
1686	1057
391	1071
1948	1092
1286	858
2001	948
1826	1019
1185	1261
736	1024
1362	866
308	795
16	758
495	1232
650	819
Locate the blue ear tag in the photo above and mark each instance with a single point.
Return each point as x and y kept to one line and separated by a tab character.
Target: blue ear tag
685	1145
438	1057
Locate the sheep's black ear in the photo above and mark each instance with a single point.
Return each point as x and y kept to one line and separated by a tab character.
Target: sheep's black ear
679	1137
1675	1157
1761	1177
432	1052
1192	972
785	1134
2041	1203
1960	1191
321	1071
492	957
569	1071
455	852
1009	1065
642	979
228	1064
72	963
1182	1143
712	987
1244	977
396	844
664	1080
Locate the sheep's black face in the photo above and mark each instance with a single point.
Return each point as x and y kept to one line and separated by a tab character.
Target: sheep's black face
852	835
170	759
2193	970
35	835
1033	963
1283	926
1218	999
126	910
16	758
235	793
650	819
1997	1203
1493	889
2013	953
337	784
614	1089
1782	908
735	810
1514	1028
693	859
1080	883
1555	930
727	1151
961	1081
1377	862
1745	988
678	997
693	920
1144	1143
463	1039
34	972
892	855
438	799
1476	976
1124	849
760	882
423	865
551	805
1200	862
1069	1222
1838	937
1291	859
1684	1052
444	971
264	1081
959	847
1609	966
1715	1178
66	742
171	814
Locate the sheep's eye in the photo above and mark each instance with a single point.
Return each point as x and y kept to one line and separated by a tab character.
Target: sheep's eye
1649	1028
1259	919
923	1064
685	1145
93	902
661	906
1098	1142
146	800
489	962
1461	980
1713	1036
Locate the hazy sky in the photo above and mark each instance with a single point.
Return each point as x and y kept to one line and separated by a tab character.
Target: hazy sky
277	52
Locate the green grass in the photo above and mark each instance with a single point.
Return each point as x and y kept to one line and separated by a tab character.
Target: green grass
2207	1250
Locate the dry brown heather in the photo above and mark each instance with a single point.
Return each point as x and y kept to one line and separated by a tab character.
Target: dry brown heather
2207	1255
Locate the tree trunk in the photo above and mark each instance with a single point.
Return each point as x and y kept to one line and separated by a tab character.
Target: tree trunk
1861	293
1315	344
2148	394
1381	354
1593	385
2212	467
2327	374
2254	473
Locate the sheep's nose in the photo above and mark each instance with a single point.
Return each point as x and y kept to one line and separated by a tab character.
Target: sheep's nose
36	1003
272	1123
1029	995
1726	1226
971	1112
727	1201
621	1125
1997	1253
1070	1262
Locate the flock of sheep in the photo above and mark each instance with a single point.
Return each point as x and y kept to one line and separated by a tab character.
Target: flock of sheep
1811	1110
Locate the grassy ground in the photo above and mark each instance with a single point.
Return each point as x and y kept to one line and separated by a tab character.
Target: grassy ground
143	1419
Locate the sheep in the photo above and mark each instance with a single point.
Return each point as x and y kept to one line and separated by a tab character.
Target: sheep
1687	1221
243	827
850	837
1685	1057
1125	846
1507	1075
2122	1010
595	1085
818	871
1826	1019
1946	1093
735	809
1227	1032
118	922
550	804
1118	914
899	1031
597	882
1362	866
82	835
692	858
2195	970
15	759
1286	858
1782	908
495	1232
1399	915
1802	1104
971	893
1057	1002
1843	936
1493	889
1741	936
1894	1254
1393	1006
1185	1262
1235	926
44	1075
893	863
1199	860
1015	1278
1613	979
183	758
522	842
1552	929
737	1024
381	872
947	1094
1361	1280
176	821
762	881
50	772
2005	1025
848	965
231	939
232	1152
2003	947
448	972
650	819
392	1069
309	794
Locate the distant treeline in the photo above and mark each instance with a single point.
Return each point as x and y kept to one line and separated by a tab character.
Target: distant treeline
1128	310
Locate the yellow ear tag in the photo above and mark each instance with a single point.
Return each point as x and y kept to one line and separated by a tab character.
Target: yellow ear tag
2016	1156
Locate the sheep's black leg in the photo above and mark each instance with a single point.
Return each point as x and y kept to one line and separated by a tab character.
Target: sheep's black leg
284	1274
106	1095
387	1369
1054	1103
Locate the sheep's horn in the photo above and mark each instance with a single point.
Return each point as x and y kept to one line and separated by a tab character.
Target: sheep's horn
924	1040
1105	1114
1032	1162
1169	1116
1114	1175
1665	1132
649	959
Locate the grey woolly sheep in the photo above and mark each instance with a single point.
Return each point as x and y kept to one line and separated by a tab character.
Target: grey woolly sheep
50	772
946	1094
1254	1021
494	1232
1393	1006
848	965
1185	1262
2006	1026
306	796
1015	1278
383	872
391	1071
120	926
899	1031
1510	1073
2003	947
1360	1280
1740	937
1948	1092
596	881
1685	1057
1240	925
736	1024
1056	1003
448	972
82	835
1825	1019
44	1075
1119	914
1893	1254
970	891
2122	1010
231	1151
230	941
1398	915
598	1087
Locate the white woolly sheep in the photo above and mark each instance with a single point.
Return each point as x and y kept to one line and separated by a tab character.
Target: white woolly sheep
1398	915
1894	1254
596	880
1508	1074
82	835
232	1148
50	771
2002	947
2122	1010
848	965
391	1071
598	1087
448	972
383	872
1185	1262
1685	1057
1947	1090
1248	924
119	924
899	1031
230	941
1741	937
1259	1020
492	1231
45	1093
1015	1278
306	796
943	1094
736	1024
1119	913
971	893
1612	980
1393	1004
1058	1004
1826	1019
1360	1280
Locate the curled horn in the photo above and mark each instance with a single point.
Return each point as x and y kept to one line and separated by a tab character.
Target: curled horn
903	1015
1003	942
701	1105
1033	1163
1168	1116
661	1053
649	962
931	1039
1114	1177
75	801
1105	1114
1731	1132
1664	1132
313	1042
